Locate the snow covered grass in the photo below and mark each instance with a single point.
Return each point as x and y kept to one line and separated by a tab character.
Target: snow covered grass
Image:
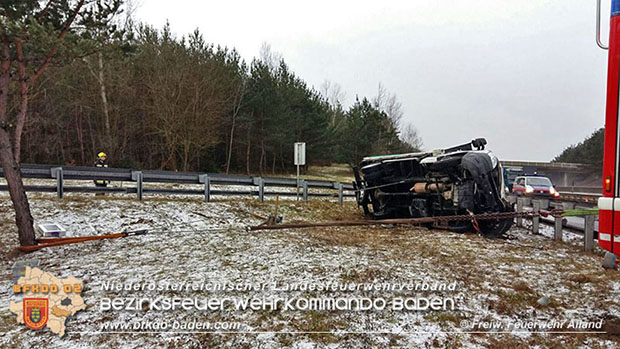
333	172
499	280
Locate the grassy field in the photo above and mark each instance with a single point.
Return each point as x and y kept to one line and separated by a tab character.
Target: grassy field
334	172
502	280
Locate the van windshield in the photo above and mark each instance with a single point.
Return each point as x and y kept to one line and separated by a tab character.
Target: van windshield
539	181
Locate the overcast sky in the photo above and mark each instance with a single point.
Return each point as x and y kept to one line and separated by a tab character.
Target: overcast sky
527	74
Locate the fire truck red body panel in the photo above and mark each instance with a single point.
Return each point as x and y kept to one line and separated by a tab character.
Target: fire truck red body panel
609	204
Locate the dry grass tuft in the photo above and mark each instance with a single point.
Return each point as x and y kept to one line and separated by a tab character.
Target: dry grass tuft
580	278
522	286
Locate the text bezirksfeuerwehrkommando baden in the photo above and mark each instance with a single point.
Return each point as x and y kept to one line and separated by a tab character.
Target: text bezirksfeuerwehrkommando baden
346	303
327	302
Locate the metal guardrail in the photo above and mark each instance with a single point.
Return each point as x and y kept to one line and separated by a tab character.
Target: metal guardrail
524	204
579	197
80	173
547	165
580	189
587	198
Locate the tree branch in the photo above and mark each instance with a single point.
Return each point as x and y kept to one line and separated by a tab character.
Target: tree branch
45	10
54	49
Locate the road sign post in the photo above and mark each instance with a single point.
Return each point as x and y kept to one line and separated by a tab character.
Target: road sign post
300	160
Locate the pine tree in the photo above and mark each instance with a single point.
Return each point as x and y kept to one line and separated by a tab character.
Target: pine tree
33	34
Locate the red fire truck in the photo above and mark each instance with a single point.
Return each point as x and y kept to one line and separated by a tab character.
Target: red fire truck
609	203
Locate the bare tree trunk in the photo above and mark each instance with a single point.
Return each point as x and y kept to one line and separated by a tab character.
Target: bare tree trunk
60	145
104	100
262	156
273	163
230	144
10	152
80	135
20	119
261	162
23	217
172	158
282	165
247	153
236	110
100	77
93	143
186	149
10	167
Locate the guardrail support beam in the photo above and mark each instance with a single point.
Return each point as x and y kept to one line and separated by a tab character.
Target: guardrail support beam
588	233
207	181
340	194
519	210
536	219
305	189
557	235
57	173
137	177
261	189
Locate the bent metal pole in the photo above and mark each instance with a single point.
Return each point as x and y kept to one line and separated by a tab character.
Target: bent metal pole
483	216
51	242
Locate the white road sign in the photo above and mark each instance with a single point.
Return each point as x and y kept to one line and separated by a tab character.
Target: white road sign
300	153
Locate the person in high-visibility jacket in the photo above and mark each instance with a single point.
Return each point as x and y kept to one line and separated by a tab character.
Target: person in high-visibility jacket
101	162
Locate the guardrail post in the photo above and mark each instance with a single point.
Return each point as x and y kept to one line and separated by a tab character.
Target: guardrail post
536	219
56	172
557	235
588	233
511	198
305	186
207	181
137	176
519	210
340	194
261	189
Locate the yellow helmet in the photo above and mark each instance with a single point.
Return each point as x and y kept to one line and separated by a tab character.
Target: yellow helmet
102	154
